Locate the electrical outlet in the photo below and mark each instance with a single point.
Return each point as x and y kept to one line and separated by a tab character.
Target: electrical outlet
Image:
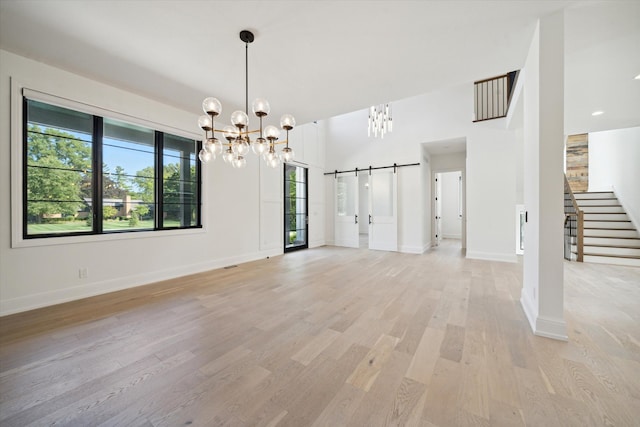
83	273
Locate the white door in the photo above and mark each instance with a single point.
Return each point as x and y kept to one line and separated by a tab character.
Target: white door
346	216
383	210
438	209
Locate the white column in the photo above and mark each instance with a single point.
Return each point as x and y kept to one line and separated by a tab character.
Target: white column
542	292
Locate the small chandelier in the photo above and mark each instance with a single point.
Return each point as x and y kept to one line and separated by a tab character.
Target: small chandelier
238	143
380	120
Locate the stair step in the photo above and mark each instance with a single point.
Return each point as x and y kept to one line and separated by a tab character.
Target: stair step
602	209
630	242
606	232
597	202
608	250
595	195
589	216
600	259
624	225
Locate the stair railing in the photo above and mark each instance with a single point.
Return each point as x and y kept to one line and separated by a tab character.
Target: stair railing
573	224
492	97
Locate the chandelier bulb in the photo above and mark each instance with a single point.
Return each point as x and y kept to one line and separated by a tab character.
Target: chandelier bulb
259	146
286	154
274	162
205	155
261	107
227	157
211	106
230	132
240	147
205	123
215	146
271	132
239	119
239	162
287	122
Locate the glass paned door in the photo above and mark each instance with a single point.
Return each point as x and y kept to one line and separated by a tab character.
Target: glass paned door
346	215
296	208
383	218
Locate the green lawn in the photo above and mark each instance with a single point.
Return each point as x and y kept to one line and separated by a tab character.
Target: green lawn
80	226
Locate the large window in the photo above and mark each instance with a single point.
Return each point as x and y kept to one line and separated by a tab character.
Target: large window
140	178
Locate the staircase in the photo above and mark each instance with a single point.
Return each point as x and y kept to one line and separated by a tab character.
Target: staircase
609	235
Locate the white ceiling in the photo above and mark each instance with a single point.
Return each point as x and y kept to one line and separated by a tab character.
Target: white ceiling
318	59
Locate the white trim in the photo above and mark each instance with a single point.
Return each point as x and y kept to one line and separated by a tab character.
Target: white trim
407	249
16	148
316	244
452	236
492	256
61	101
18	90
543	326
529	310
519	209
551	328
634	221
44	299
141	234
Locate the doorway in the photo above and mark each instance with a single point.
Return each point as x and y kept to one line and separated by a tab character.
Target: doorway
448	207
296	208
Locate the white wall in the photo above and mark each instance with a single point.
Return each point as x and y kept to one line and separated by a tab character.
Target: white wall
307	142
614	163
242	209
451	220
437	116
410	211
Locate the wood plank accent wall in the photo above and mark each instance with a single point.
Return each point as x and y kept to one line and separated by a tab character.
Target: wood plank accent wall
578	162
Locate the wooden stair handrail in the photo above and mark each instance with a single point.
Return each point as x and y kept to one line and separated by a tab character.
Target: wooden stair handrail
579	223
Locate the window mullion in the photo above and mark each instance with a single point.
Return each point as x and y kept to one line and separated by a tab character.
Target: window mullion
199	186
25	162
97	181
159	174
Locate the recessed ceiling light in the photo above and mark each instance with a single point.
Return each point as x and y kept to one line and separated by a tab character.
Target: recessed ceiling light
637	77
597	113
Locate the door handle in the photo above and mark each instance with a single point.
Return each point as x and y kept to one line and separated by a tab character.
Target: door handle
370	219
356	218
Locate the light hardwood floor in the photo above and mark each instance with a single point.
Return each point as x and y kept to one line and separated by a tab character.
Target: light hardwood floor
330	337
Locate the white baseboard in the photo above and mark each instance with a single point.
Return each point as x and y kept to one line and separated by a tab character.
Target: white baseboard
317	244
407	249
59	296
492	256
543	326
529	310
551	328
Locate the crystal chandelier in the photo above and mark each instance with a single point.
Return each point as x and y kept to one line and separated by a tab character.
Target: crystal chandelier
238	143
380	120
